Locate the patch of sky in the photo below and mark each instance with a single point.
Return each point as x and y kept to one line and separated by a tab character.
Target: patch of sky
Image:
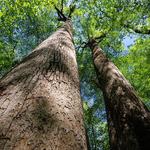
128	41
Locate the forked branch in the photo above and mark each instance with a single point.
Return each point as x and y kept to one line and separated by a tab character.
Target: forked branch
61	15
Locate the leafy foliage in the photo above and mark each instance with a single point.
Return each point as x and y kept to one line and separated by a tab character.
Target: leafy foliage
6	57
135	66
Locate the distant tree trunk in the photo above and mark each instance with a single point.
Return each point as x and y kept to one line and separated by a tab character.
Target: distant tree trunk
128	118
40	105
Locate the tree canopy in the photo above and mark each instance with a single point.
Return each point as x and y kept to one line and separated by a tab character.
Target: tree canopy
122	28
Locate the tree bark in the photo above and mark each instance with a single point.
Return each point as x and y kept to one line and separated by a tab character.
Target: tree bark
40	105
128	118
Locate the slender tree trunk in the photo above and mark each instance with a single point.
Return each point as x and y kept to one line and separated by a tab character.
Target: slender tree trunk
40	105
128	118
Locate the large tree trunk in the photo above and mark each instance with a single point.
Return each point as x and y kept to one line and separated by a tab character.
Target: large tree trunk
40	103
128	118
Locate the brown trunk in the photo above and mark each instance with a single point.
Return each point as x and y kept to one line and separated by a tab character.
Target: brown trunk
40	103
128	118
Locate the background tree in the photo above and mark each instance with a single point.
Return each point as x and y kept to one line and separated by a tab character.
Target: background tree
128	118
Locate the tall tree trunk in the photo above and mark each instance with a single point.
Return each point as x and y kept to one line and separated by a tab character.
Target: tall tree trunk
128	118
40	103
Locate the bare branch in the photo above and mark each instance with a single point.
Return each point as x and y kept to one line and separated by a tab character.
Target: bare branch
84	45
72	8
61	16
62	2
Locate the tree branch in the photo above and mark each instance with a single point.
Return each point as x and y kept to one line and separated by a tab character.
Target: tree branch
61	16
72	8
136	30
100	38
84	45
62	2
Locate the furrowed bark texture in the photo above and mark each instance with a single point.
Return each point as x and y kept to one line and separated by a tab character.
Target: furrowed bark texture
40	105
128	118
